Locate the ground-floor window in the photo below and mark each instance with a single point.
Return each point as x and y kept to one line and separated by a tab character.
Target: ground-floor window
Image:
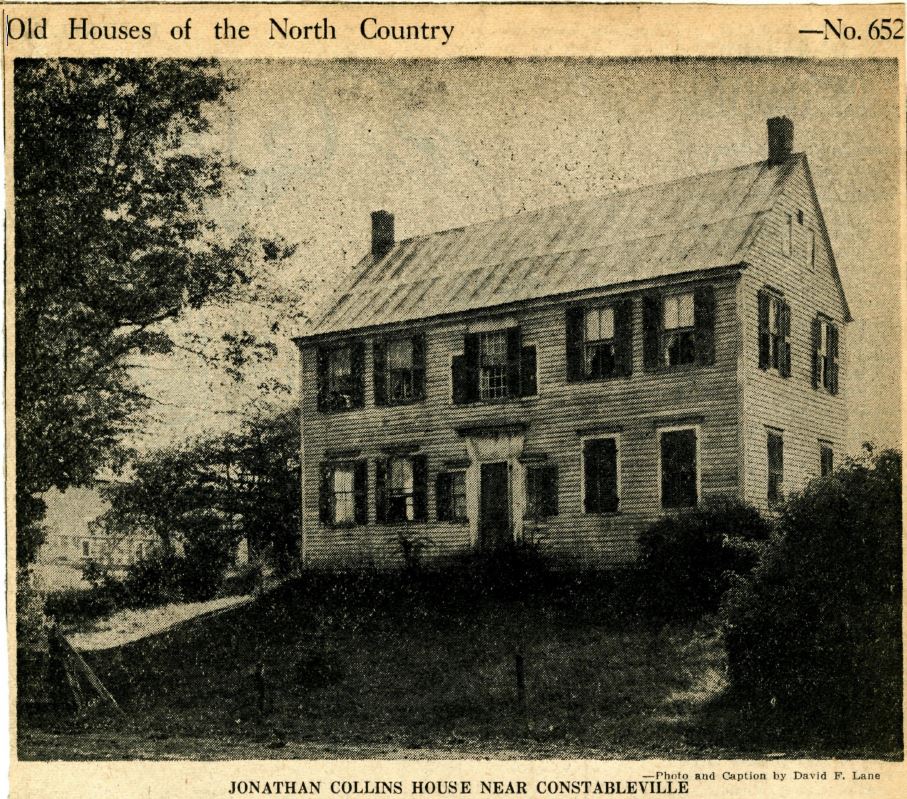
451	496
601	490
826	458
679	468
86	549
400	487
541	491
342	496
775	467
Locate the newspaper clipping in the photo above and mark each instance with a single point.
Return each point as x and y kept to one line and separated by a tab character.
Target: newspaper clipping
454	400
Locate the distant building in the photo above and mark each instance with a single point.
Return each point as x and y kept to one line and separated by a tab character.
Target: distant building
573	374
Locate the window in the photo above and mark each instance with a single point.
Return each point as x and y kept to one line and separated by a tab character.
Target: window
399	370
451	496
825	355
86	549
775	467
788	236
400	484
340	377
679	470
679	339
774	333
600	341
541	491
826	459
343	495
811	249
601	490
494	366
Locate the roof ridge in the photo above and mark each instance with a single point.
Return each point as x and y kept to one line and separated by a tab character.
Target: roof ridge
619	193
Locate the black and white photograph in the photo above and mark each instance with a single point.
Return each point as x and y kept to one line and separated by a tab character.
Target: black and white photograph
467	408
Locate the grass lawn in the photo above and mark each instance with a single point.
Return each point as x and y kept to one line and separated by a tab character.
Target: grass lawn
354	668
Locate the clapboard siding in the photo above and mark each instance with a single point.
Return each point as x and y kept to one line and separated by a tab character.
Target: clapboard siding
805	415
710	395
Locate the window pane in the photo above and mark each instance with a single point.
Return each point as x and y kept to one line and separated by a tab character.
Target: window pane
592	325
685	310
344	501
671	308
493	348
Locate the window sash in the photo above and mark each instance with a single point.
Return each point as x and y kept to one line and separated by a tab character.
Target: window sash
493	365
458	496
343	495
401	490
678	312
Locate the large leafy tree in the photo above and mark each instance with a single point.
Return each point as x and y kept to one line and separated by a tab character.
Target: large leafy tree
112	177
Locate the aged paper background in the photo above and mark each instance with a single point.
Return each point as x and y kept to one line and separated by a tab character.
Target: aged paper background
605	31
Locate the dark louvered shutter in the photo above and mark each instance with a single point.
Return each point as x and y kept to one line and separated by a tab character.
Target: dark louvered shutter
764	340
471	366
420	488
381	470
574	328
459	379
784	354
323	367
443	496
527	372
704	319
833	358
601	476
548	487
378	372
325	511
623	337
651	330
592	500
360	492
357	362
817	343
419	366
514	345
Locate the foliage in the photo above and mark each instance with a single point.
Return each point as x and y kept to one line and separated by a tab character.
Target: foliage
31	622
112	176
815	631
203	497
687	560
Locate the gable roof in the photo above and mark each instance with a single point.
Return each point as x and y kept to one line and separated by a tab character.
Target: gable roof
692	224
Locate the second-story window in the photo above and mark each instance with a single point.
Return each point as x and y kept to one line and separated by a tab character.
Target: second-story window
774	333
679	328
493	365
399	369
340	373
600	341
825	354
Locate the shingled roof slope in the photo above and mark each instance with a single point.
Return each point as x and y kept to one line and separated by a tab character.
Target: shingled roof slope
694	223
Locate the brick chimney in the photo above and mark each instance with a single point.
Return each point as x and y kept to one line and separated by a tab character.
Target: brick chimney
780	139
382	232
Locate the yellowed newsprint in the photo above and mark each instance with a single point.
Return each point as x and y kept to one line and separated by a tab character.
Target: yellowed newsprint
456	400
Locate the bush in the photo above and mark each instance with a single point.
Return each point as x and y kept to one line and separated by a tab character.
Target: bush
815	631
687	561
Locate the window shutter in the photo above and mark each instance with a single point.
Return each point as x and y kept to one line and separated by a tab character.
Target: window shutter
323	365
590	468
527	372
325	515
608	472
833	358
651	330
378	372
443	498
420	488
459	379
784	356
817	341
360	492
704	320
574	327
471	367
357	362
764	344
549	490
513	361
623	336
381	470
419	366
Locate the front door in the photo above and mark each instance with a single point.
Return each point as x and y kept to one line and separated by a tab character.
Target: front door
494	509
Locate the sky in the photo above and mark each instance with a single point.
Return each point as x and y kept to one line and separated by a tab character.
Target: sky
446	143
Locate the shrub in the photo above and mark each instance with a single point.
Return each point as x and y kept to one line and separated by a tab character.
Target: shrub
687	561
815	630
153	580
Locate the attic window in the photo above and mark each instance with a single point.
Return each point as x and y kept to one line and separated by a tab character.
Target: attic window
800	216
811	249
788	237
